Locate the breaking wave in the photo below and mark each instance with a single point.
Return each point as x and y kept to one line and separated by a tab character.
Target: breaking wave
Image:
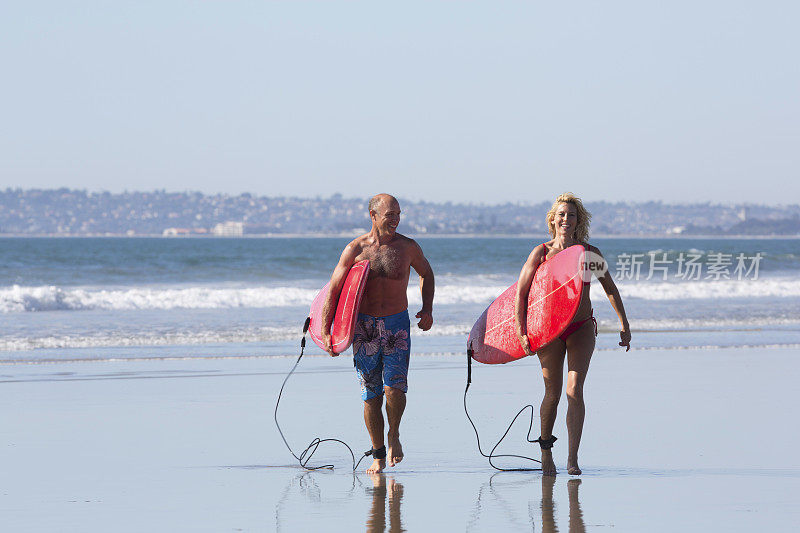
707	290
20	299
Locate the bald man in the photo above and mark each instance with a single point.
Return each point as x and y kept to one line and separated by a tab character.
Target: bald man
382	343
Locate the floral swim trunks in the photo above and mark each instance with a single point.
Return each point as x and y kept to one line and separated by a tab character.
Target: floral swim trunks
381	349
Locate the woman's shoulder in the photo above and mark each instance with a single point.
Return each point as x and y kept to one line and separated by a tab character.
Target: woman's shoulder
542	248
546	245
590	247
539	252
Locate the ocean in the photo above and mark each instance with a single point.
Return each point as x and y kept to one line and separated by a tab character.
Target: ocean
78	299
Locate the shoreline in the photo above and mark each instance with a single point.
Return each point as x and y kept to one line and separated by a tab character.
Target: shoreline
326	357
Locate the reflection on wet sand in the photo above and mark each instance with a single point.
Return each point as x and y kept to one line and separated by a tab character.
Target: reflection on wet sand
383	486
384	490
310	491
548	507
548	510
576	524
504	502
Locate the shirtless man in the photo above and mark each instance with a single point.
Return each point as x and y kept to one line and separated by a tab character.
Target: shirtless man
381	344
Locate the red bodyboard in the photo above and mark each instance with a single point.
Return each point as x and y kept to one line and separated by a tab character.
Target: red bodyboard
344	320
552	302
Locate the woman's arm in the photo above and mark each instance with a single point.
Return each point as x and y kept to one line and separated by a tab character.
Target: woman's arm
616	301
521	299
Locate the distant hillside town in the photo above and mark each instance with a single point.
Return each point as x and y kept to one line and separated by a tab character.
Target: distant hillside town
68	212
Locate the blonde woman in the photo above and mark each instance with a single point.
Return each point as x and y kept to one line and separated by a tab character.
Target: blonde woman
568	224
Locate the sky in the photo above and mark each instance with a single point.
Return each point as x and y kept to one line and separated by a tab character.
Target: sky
480	102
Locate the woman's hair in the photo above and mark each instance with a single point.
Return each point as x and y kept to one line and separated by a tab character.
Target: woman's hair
584	216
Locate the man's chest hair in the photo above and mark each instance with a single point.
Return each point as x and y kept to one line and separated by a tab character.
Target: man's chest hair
387	261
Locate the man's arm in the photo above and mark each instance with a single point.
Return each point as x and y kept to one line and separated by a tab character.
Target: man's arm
426	285
347	259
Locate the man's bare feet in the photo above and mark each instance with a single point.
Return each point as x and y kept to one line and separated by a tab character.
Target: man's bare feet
377	466
548	466
572	467
394	451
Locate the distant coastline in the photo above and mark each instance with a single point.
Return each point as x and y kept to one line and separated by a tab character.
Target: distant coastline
70	213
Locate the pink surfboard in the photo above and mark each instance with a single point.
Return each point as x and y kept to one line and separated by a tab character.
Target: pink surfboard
552	302
344	321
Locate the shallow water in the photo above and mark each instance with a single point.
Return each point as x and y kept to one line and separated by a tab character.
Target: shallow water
645	501
188	444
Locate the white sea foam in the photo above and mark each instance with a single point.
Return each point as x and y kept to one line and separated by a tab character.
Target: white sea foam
185	338
706	289
459	294
19	299
644	290
267	334
454	330
693	324
182	338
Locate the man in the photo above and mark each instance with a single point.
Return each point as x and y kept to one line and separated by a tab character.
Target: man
381	344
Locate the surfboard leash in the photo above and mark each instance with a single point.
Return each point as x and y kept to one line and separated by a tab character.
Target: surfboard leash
308	452
491	455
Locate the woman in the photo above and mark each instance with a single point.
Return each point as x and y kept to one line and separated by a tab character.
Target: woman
568	223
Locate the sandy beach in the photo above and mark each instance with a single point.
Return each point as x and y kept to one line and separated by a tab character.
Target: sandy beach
692	440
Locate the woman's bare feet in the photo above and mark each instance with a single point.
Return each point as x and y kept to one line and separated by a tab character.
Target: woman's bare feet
572	467
394	450
394	489
548	466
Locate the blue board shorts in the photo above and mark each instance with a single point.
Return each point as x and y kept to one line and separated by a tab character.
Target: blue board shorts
381	349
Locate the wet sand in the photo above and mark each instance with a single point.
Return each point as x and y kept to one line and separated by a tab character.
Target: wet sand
693	440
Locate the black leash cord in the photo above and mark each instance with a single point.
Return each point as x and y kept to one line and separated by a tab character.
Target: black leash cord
491	454
305	455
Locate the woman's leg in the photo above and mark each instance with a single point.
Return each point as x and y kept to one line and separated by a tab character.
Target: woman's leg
580	346
551	357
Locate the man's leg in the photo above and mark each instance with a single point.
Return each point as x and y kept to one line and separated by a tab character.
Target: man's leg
370	375
373	418
395	405
396	345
